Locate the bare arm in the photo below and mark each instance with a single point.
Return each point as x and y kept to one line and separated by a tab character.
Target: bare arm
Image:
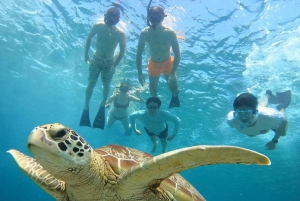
176	121
138	99
122	46
280	131
140	49
88	42
132	118
176	51
111	99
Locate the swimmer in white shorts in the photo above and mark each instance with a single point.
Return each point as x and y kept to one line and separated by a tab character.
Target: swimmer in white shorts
252	119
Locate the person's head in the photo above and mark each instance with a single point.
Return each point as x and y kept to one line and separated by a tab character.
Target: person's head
245	106
112	16
153	104
124	87
155	15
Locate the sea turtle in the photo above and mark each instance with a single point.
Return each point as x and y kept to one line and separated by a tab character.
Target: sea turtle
68	168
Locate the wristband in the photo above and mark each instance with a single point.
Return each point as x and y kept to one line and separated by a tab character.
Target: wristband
275	141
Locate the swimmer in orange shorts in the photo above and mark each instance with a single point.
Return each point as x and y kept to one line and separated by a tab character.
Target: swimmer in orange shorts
159	39
156	69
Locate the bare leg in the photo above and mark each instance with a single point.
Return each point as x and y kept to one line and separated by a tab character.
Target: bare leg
264	102
88	94
110	121
164	144
106	89
154	141
153	85
125	123
172	84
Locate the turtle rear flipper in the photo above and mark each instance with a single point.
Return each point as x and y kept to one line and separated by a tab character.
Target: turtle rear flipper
284	99
153	171
39	175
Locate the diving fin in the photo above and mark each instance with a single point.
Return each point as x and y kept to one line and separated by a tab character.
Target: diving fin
284	99
99	121
85	118
272	99
174	102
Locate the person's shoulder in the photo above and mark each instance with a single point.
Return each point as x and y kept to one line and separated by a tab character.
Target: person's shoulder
167	113
99	24
168	30
120	30
231	120
230	115
145	31
269	113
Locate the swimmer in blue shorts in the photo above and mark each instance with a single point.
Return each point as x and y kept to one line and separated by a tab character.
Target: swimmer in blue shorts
104	62
252	119
155	123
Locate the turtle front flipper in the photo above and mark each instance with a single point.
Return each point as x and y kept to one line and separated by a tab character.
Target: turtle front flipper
40	176
153	171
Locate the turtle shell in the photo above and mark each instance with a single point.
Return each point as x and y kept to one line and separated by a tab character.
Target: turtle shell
122	158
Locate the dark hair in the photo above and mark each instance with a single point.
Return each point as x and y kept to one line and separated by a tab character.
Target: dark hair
155	15
124	87
153	99
112	16
245	99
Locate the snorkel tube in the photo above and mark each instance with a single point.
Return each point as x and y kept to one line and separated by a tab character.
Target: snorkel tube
155	15
148	8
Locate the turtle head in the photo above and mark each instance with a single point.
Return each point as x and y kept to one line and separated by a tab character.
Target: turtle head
59	148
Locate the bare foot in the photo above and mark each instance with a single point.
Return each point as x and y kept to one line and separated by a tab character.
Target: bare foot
154	147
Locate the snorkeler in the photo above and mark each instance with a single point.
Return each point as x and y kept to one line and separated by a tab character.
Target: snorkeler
251	120
121	100
155	123
159	39
109	36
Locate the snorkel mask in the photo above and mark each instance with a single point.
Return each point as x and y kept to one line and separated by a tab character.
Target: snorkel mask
155	15
112	16
124	87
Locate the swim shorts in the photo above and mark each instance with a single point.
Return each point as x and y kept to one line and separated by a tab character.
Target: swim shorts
99	64
156	69
161	135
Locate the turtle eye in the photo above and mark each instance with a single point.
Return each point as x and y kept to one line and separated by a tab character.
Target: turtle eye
61	133
58	133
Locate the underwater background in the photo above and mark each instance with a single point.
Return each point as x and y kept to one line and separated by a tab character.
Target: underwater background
227	47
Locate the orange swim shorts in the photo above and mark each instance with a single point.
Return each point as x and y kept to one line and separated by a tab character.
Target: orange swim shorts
156	69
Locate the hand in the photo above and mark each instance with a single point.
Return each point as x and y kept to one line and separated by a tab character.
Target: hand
87	58
172	78
141	79
113	68
138	132
270	145
170	137
137	91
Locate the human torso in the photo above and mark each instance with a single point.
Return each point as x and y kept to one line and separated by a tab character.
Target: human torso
159	43
157	123
121	103
268	118
108	38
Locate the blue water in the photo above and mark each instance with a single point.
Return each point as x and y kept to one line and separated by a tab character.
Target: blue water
230	47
